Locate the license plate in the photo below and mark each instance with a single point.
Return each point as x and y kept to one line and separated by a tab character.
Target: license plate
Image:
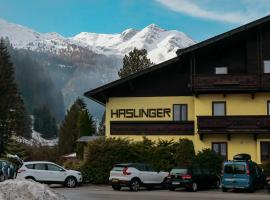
175	183
114	180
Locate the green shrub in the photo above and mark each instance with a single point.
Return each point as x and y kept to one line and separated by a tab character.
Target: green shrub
210	160
100	156
185	153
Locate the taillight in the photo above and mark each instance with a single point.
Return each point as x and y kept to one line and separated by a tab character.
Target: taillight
186	177
247	170
125	171
21	170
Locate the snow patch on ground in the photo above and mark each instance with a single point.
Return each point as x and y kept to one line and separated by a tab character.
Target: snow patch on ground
36	139
27	190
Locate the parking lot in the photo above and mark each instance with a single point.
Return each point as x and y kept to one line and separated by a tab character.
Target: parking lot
92	192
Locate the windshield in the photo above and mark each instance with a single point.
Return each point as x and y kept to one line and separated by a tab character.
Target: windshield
235	169
179	171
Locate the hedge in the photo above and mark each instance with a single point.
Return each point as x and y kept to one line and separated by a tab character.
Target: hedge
101	155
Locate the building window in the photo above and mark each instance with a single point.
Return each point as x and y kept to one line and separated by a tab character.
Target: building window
266	66
180	112
219	108
221	70
265	151
268	107
221	149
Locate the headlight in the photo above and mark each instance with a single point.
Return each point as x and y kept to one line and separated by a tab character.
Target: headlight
79	174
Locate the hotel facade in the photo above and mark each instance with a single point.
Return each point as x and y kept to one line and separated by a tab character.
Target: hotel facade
215	93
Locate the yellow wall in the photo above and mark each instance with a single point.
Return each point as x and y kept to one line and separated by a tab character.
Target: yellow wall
147	102
236	104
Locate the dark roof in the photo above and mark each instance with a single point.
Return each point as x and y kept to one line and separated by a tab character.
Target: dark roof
92	93
105	87
224	35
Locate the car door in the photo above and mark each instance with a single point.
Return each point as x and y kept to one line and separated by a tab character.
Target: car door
154	176
55	173
39	172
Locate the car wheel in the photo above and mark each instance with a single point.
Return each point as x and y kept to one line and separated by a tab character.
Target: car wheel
164	184
2	178
251	188
224	189
194	187
171	188
135	185
71	182
116	187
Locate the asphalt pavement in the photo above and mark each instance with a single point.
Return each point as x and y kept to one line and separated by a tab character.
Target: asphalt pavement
93	192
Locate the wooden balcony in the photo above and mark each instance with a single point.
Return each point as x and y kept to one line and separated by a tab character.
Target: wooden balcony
265	80
234	125
152	128
225	83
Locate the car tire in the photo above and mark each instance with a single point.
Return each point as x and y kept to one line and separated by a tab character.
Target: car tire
194	187
135	184
171	188
164	184
224	189
251	188
116	187
70	182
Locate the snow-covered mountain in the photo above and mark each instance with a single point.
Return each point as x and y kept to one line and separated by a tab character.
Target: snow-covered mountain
88	60
161	44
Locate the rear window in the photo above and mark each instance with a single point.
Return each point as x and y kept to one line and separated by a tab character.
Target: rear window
118	168
179	171
235	169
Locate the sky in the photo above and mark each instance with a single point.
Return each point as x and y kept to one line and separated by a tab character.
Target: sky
200	19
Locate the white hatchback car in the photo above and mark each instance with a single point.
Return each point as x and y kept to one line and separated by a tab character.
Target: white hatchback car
50	173
135	175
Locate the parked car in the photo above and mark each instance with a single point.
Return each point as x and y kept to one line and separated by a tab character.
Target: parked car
242	173
50	173
268	183
192	178
2	164
7	170
136	175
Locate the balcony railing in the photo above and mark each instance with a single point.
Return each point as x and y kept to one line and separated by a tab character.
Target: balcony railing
265	81
225	82
152	128
234	124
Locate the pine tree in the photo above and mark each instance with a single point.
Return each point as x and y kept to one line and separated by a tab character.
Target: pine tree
135	61
69	130
16	148
13	117
45	123
101	127
87	125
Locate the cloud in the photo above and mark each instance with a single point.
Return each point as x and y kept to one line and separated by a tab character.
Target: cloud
231	11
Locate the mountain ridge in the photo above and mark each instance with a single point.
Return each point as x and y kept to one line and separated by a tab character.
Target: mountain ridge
161	44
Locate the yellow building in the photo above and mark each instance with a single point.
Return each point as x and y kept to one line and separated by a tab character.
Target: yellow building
215	93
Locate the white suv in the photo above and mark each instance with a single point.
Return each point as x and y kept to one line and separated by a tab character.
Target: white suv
50	173
135	175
